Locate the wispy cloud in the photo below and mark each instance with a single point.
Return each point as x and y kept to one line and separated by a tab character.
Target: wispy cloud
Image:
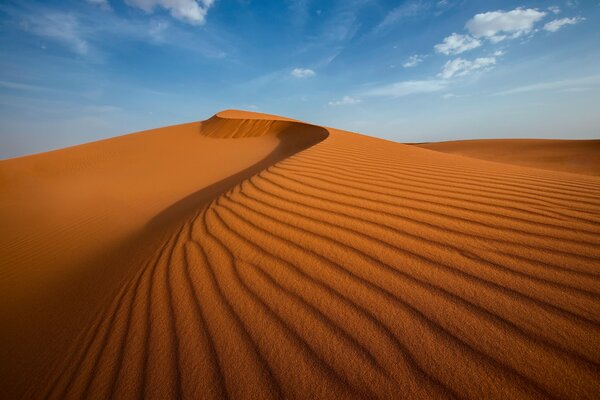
456	44
554	9
302	73
413	61
411	8
576	84
300	11
190	11
60	27
89	33
345	101
461	67
335	30
24	86
406	88
555	25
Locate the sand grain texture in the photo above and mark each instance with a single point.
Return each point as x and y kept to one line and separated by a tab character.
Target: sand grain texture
321	264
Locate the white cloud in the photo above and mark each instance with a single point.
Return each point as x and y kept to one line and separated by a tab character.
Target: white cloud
499	53
59	27
103	4
500	25
462	67
406	88
190	11
456	44
344	101
302	73
555	25
413	61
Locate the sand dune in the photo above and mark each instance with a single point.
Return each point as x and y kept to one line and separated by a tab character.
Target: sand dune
252	256
577	156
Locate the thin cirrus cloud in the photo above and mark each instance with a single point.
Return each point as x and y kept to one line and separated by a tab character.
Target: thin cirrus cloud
409	9
60	27
585	83
190	11
456	44
303	73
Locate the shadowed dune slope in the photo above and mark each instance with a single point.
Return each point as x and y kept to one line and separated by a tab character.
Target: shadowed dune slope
356	268
577	156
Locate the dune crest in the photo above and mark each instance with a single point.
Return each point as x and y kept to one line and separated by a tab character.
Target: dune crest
344	266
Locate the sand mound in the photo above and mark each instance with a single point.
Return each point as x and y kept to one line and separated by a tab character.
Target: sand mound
577	156
346	267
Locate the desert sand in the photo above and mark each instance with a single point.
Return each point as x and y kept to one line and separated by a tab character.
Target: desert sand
255	256
578	156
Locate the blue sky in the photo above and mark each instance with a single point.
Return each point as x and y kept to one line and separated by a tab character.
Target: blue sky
409	71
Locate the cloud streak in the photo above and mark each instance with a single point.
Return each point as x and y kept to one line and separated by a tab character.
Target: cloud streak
303	73
63	28
190	11
461	67
555	25
345	101
566	84
406	88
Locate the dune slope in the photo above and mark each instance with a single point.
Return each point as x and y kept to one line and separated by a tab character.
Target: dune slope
352	267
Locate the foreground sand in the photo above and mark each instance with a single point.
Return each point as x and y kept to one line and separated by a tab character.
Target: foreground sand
255	257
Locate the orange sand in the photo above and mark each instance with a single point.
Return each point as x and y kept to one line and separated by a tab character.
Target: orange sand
253	256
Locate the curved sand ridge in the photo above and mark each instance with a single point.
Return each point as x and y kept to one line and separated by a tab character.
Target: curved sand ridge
358	268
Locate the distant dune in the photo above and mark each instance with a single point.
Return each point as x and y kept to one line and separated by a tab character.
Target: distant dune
254	256
578	156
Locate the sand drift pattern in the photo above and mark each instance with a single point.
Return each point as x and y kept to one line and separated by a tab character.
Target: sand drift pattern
359	268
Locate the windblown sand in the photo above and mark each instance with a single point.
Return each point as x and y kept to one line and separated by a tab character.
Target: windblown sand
253	256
